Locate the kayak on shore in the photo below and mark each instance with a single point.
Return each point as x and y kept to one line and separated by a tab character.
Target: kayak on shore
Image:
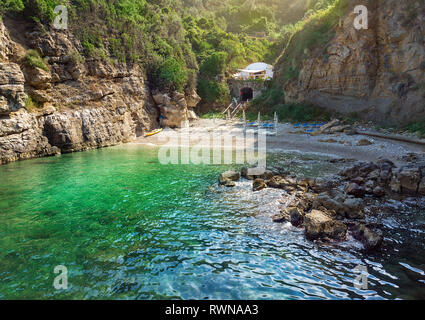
153	132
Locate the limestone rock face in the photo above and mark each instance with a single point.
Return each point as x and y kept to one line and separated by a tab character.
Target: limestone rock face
175	107
376	73
192	99
12	94
6	49
82	104
21	137
87	129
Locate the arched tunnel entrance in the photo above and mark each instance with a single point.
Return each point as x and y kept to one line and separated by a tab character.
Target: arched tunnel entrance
247	94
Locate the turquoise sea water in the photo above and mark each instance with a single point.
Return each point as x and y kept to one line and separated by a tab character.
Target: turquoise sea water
127	227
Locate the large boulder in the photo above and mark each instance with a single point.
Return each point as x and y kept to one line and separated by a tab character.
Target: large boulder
360	169
329	203
319	225
38	78
296	216
175	107
192	99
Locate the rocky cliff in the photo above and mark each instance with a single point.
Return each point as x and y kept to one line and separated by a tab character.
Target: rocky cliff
378	73
63	102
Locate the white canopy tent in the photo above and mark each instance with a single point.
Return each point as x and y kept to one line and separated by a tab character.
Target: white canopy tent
258	70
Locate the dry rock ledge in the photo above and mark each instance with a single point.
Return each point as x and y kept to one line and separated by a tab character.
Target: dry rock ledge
332	209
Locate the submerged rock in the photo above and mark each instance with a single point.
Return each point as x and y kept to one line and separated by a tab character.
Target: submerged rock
281	217
244	174
296	216
259	184
370	239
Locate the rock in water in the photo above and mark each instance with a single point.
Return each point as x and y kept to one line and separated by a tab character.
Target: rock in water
297	216
370	239
244	174
319	225
230	184
228	176
259	184
354	208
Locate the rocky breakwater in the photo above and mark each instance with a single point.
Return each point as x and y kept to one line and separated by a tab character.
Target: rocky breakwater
53	99
338	208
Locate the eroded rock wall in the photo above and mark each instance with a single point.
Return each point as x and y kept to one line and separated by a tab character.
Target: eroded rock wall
71	103
378	73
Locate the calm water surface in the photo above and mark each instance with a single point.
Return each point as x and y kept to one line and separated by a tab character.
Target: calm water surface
129	228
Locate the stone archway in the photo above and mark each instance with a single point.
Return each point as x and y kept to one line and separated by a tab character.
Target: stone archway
246	94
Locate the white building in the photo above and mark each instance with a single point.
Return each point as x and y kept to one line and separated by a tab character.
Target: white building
258	70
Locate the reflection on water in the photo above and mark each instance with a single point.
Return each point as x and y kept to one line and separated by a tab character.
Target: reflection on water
127	227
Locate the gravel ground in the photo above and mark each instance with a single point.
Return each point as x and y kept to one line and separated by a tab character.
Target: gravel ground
290	139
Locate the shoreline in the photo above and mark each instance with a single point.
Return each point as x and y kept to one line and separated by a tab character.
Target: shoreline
339	145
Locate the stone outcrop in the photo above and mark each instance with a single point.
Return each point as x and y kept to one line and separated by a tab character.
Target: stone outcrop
176	108
371	239
330	209
21	137
378	73
12	94
76	103
226	178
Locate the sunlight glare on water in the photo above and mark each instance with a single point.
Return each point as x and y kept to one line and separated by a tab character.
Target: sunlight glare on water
127	227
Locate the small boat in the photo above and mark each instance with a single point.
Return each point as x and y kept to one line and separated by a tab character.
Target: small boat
153	132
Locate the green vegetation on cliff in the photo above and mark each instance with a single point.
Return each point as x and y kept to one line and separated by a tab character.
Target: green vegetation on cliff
181	44
300	40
